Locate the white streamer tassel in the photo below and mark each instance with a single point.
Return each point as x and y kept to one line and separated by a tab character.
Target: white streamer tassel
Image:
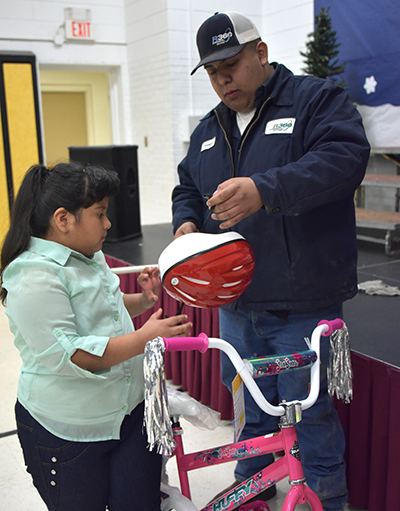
340	373
156	414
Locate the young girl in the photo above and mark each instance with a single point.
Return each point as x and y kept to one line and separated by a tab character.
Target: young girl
80	395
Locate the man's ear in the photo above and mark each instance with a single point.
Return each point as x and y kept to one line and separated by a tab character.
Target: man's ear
262	52
63	219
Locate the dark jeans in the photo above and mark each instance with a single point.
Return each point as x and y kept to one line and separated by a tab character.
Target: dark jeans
320	434
88	476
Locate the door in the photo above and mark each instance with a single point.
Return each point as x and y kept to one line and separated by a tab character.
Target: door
76	111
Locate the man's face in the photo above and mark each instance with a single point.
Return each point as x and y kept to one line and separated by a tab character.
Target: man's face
236	80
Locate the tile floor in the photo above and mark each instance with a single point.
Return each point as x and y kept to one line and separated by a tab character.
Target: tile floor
16	490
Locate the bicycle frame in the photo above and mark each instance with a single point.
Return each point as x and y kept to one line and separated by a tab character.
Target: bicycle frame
288	465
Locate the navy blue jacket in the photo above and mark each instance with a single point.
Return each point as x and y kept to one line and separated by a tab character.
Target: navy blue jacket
306	151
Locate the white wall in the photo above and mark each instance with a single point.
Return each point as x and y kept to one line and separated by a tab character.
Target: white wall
150	89
285	29
32	25
149	48
162	52
37	26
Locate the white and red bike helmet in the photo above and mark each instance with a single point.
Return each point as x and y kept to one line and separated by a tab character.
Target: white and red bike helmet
207	270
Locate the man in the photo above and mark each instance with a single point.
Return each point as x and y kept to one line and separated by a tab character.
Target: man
281	156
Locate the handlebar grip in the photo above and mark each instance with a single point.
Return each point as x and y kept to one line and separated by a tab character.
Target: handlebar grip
186	343
334	324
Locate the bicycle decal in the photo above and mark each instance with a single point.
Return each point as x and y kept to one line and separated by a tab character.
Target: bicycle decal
259	484
238	495
276	364
295	451
212	455
245	452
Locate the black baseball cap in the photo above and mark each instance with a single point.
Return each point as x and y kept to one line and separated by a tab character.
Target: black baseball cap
223	36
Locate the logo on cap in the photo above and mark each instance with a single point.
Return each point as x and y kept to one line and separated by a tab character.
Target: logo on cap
222	38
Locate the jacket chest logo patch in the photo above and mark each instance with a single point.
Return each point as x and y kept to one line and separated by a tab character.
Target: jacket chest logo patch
280	126
208	144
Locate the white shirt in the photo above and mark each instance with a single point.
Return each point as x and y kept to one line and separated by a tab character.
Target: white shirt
243	119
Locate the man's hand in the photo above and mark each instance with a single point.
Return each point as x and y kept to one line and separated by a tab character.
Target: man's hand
186	228
235	199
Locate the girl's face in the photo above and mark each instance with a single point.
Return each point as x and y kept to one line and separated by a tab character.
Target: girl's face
90	229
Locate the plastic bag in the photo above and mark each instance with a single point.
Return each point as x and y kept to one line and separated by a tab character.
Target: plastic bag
174	500
199	415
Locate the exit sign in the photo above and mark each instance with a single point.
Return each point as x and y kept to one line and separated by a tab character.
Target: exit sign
78	30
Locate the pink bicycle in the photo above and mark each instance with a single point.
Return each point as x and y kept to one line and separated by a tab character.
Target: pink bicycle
284	441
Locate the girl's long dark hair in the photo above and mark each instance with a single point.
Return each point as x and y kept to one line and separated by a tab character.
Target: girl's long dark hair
72	186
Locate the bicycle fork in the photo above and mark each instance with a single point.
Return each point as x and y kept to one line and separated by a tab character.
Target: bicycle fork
299	492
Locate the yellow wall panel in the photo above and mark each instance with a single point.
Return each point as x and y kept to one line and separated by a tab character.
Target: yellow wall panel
4	206
20	127
20	104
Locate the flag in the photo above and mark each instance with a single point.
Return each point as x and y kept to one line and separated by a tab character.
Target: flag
369	35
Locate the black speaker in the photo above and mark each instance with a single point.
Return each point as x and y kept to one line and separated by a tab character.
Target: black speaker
124	208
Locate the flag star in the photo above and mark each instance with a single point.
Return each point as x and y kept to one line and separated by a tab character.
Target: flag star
370	84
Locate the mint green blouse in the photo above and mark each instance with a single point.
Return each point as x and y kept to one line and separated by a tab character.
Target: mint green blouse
59	301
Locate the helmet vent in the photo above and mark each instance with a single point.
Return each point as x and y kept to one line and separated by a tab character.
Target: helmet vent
231	284
197	281
186	295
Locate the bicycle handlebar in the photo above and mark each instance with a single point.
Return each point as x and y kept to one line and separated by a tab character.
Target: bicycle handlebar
334	324
187	343
202	343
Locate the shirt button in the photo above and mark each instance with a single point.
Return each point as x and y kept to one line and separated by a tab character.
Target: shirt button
53	483
53	459
116	318
124	408
53	472
276	210
108	289
128	379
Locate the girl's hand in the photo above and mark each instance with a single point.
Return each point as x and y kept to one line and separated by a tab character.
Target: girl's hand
150	282
174	326
130	345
